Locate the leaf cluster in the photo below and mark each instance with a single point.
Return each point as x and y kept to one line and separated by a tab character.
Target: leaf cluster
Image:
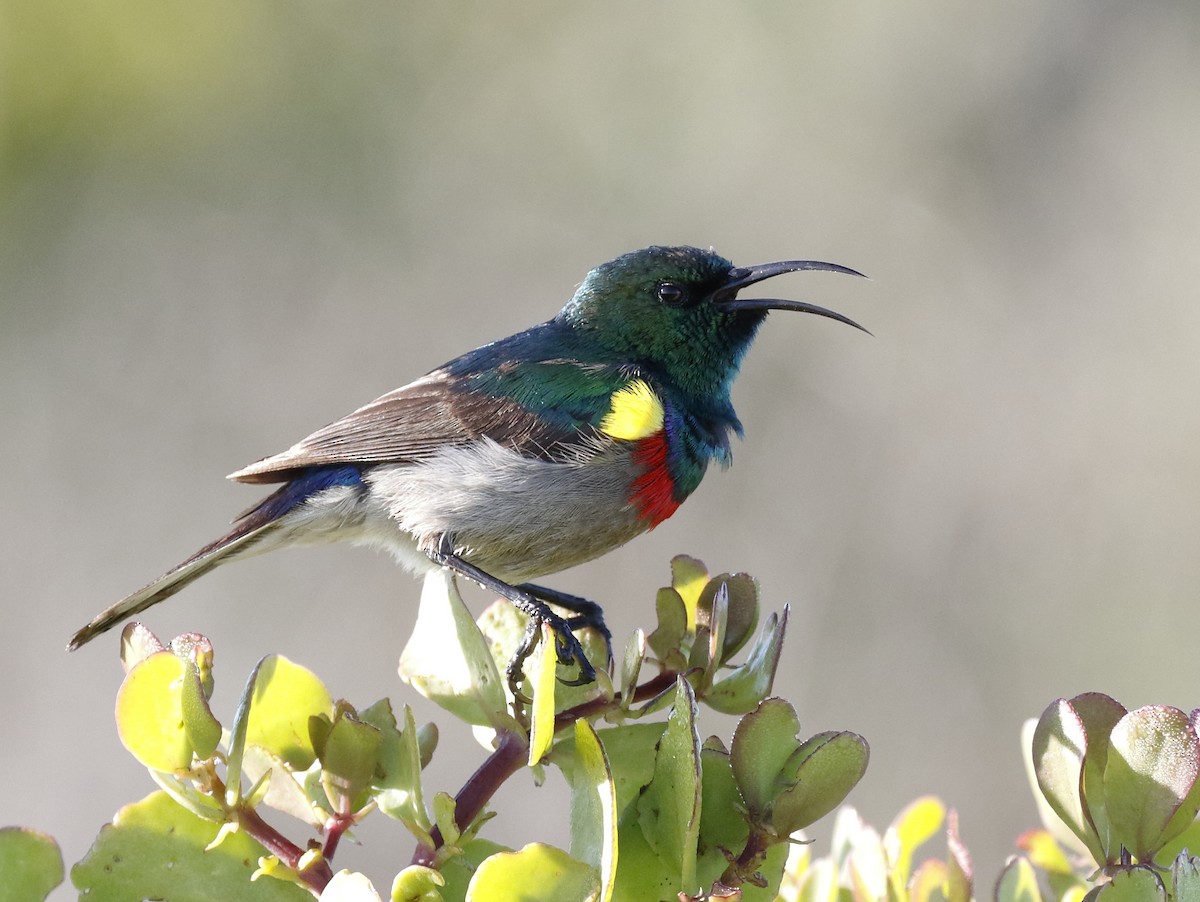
658	812
255	807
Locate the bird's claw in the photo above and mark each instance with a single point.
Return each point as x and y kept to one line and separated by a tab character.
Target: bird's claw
596	623
584	613
567	650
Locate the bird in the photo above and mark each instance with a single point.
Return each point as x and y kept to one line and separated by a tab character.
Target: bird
527	455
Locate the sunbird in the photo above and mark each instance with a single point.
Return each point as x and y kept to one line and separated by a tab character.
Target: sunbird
528	455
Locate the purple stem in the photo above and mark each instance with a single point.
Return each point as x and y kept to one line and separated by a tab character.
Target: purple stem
316	875
509	757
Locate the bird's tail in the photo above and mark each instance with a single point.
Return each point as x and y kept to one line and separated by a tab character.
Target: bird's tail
247	533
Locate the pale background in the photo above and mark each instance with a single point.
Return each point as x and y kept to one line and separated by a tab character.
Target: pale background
225	224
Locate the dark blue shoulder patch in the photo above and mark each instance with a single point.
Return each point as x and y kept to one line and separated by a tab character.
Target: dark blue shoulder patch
304	486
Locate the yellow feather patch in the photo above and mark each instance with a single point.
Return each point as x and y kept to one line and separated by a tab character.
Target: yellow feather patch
636	412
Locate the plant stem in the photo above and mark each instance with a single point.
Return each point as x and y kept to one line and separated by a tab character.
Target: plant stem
510	755
744	868
316	875
334	828
501	764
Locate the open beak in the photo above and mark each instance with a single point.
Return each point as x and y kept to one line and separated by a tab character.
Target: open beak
742	276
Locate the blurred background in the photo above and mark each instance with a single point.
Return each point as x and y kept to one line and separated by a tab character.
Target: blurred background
223	225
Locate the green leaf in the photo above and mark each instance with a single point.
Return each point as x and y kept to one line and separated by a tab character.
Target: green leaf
542	679
30	864
643	875
850	831
748	684
630	750
705	647
503	628
817	883
237	739
670	805
426	738
1059	744
198	650
417	883
154	849
273	714
347	886
1057	832
1139	884
444	808
717	618
667	639
722	809
771	871
398	789
742	602
913	827
1018	882
285	790
285	696
1182	842
631	665
536	873
1153	765
763	742
866	865
799	863
1183	819
150	715
459	870
929	882
349	754
959	873
594	809
1099	714
137	644
1045	853
1185	878
447	658
689	577
185	792
203	729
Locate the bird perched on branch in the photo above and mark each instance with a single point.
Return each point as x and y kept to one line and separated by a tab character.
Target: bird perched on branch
530	454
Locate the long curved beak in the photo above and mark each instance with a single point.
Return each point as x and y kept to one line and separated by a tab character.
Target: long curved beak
742	276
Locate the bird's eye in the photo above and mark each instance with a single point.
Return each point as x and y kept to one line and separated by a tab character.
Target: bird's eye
671	294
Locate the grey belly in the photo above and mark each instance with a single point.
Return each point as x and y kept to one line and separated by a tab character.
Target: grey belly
514	517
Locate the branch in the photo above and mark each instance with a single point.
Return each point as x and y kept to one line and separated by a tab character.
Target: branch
501	764
509	757
317	875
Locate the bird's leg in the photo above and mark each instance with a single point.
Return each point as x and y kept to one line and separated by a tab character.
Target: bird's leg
588	613
566	646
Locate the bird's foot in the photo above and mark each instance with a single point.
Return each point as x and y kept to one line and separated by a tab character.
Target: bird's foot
531	600
587	613
567	650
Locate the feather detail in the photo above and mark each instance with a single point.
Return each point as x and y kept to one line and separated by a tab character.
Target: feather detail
246	537
520	393
635	412
653	491
412	424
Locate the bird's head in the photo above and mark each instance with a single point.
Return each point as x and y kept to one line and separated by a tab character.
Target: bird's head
676	311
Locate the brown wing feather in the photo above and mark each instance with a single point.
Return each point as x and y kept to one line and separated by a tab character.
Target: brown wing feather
411	424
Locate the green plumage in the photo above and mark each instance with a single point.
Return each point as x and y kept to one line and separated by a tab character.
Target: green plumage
498	465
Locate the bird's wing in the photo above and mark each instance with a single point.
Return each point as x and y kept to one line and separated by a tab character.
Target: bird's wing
437	411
